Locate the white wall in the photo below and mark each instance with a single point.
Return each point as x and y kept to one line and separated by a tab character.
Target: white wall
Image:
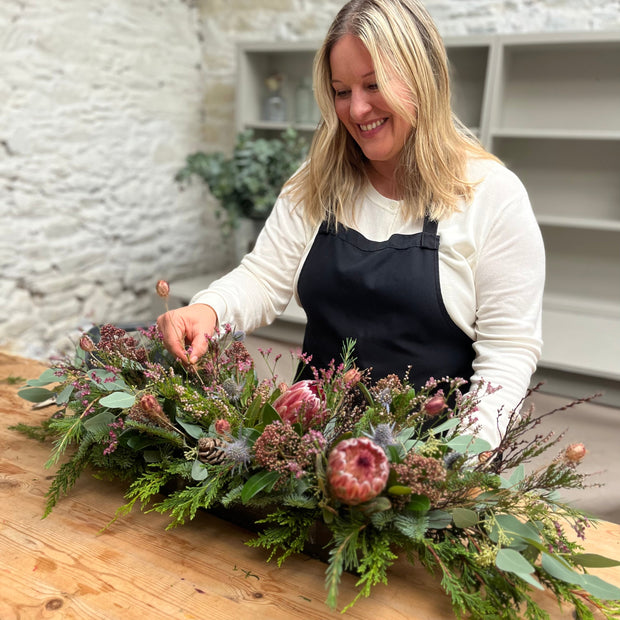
100	103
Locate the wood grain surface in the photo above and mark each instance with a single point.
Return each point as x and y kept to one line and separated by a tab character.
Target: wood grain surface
68	566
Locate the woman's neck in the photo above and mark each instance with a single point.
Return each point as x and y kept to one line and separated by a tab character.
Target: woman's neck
384	181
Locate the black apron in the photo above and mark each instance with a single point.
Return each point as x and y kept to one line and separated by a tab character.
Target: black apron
385	295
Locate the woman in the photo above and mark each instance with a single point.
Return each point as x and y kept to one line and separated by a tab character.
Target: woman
400	230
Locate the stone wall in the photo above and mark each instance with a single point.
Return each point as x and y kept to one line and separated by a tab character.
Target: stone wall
100	104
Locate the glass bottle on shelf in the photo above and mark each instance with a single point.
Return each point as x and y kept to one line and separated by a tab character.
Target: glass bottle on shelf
304	102
275	105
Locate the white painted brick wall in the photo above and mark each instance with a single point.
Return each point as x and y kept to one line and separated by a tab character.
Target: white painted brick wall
100	104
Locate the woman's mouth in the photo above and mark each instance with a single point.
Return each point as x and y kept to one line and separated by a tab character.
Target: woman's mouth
373	125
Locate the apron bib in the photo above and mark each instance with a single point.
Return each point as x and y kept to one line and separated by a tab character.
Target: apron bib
386	295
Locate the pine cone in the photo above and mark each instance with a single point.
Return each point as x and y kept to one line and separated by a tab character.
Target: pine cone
209	450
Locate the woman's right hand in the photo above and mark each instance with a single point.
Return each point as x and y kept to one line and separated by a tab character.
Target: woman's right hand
186	329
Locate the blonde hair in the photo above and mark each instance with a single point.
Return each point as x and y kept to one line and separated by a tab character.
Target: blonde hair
404	44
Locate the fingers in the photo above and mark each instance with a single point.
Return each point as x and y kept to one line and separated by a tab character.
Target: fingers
173	335
187	326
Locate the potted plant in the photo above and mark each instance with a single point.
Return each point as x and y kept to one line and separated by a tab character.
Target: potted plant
248	183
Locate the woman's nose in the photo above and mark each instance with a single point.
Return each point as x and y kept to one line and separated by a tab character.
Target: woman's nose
360	105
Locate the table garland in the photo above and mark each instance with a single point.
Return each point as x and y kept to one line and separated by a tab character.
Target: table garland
385	469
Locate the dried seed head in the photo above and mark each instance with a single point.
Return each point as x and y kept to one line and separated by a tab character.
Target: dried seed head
86	344
575	453
163	288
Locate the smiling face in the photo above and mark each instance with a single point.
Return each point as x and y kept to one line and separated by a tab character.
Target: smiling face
361	107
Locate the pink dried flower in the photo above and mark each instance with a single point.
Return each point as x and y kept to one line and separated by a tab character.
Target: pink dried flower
424	475
434	406
300	403
163	288
575	453
222	427
357	470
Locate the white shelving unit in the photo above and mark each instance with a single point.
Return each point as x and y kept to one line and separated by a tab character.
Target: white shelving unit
549	107
555	121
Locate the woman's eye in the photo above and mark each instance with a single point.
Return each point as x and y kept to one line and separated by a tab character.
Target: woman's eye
341	93
373	86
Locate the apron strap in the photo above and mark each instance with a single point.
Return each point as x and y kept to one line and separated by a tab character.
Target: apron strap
429	240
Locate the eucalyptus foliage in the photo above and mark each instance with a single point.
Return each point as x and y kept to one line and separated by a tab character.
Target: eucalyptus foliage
247	183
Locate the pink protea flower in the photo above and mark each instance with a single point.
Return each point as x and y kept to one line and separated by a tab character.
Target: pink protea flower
357	470
300	403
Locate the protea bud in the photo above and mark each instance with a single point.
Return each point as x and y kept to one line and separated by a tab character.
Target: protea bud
300	403
149	404
434	406
575	453
357	470
222	426
86	344
163	288
352	376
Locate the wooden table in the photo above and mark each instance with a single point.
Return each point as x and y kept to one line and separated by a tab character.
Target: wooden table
64	566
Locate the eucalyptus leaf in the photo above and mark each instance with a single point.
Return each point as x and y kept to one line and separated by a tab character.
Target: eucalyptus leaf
464	517
599	588
45	378
512	561
469	444
516	477
35	394
99	422
261	481
445	426
439	519
520	532
65	395
118	400
199	471
594	560
193	430
560	570
107	380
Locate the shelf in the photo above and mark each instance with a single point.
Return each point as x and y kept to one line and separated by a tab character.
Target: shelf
555	134
560	221
569	178
559	83
580	342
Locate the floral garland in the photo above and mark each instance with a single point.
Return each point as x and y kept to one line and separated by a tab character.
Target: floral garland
384	468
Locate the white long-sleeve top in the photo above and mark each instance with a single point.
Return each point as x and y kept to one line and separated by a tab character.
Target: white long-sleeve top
491	269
